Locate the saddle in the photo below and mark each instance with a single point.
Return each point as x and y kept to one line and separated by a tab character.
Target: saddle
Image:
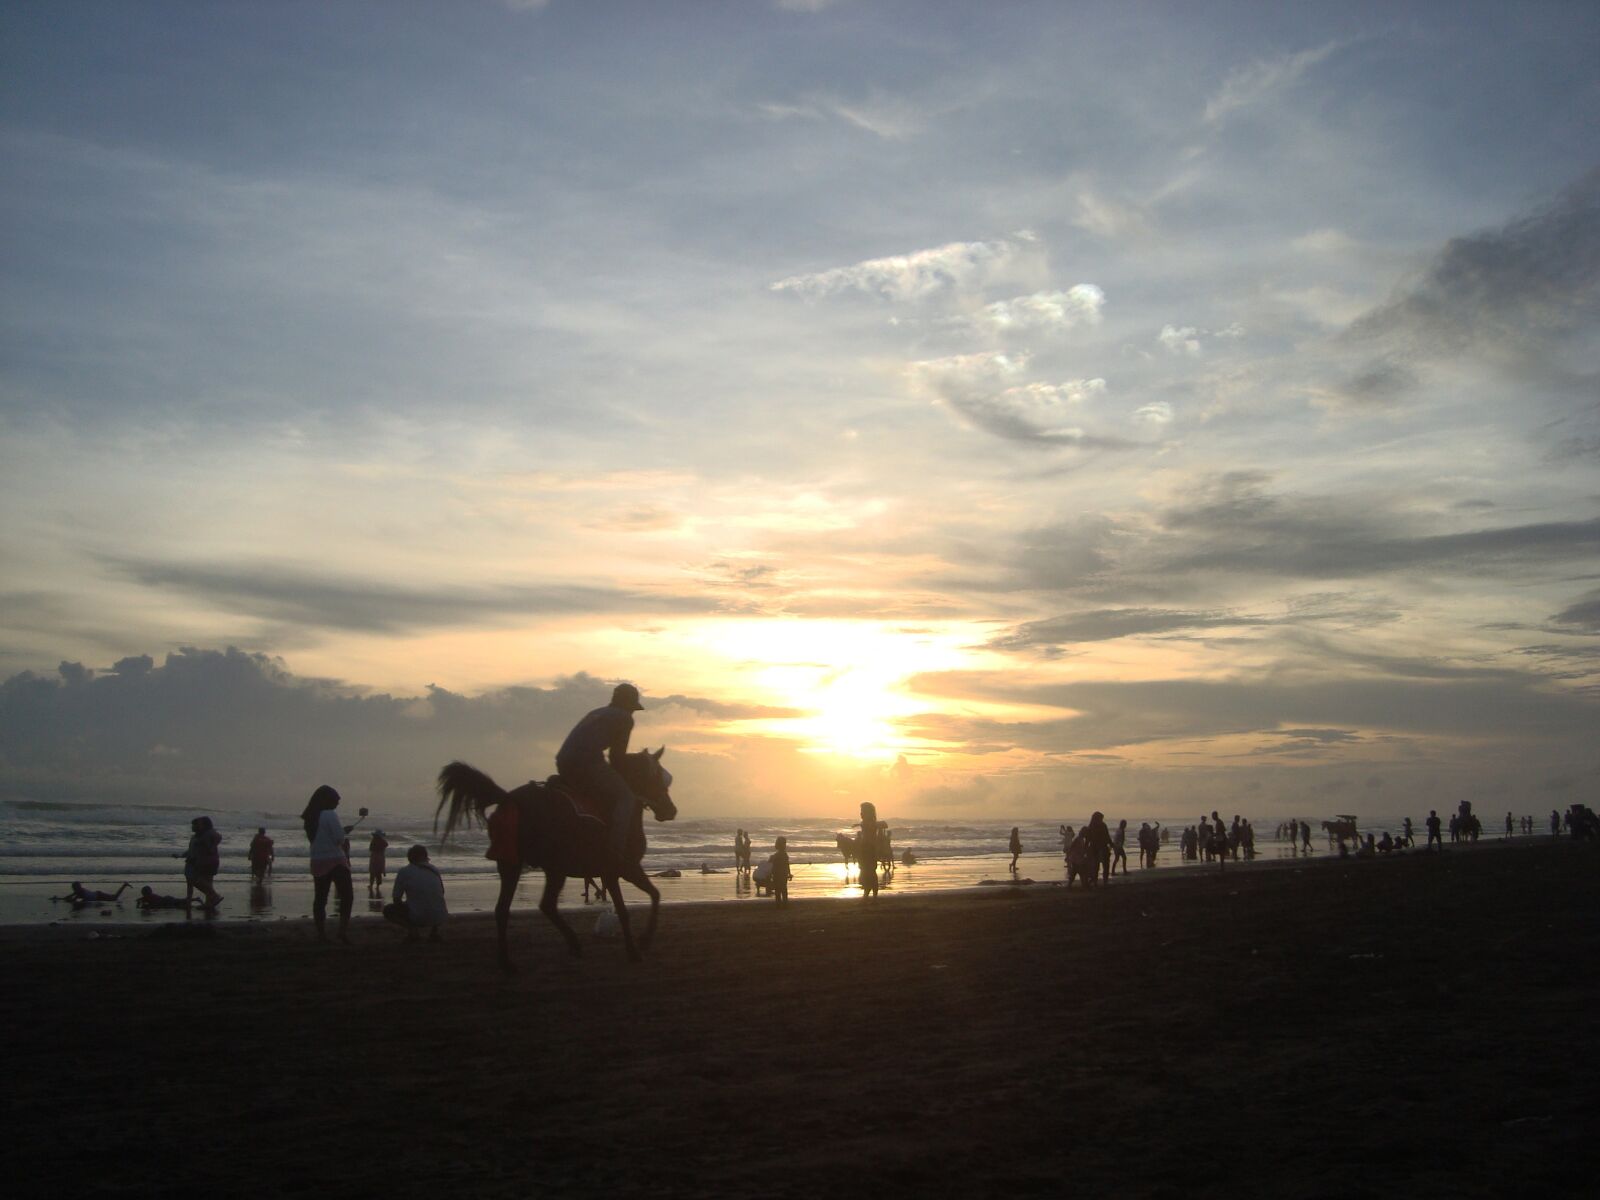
505	822
585	808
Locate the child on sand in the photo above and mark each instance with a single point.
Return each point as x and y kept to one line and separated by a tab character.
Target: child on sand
418	896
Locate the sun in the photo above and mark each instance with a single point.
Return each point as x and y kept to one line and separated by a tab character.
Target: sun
844	681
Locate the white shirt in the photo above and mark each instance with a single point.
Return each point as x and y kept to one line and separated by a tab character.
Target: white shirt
423	891
329	842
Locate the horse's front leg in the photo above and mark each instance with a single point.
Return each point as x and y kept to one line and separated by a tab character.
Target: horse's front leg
553	883
510	874
636	876
622	917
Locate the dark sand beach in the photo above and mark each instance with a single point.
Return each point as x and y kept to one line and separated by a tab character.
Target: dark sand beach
1415	1026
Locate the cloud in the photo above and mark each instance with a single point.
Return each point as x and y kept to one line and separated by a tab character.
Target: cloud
228	729
1106	624
1176	340
325	601
1251	84
1043	312
1157	413
1502	293
984	389
915	276
1585	613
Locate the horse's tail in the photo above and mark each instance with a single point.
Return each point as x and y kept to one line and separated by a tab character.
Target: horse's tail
468	793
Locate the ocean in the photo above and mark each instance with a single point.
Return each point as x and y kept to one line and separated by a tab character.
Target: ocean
46	846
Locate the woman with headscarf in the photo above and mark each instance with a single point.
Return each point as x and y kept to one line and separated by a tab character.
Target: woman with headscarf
330	867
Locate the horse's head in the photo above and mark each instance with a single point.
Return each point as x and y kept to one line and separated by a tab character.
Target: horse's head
651	782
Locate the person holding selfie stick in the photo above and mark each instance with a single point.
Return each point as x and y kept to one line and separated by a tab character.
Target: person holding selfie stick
330	866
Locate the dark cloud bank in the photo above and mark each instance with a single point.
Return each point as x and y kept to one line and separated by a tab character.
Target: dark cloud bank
230	729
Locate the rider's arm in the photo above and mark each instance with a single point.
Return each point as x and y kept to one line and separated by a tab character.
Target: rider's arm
619	741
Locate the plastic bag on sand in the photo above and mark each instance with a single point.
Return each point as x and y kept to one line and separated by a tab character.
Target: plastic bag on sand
606	925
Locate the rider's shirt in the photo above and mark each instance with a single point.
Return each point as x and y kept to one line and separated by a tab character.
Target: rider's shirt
604	729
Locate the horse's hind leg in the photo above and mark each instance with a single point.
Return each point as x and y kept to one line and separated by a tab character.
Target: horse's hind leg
553	884
509	875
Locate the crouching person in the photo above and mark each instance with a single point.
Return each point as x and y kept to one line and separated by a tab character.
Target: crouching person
418	896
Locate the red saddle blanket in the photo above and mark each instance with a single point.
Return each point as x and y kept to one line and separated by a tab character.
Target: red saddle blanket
505	822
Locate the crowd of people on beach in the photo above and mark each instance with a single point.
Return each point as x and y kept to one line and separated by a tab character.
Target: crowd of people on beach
1090	856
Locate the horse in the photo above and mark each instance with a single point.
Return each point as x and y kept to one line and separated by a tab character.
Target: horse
1344	827
545	828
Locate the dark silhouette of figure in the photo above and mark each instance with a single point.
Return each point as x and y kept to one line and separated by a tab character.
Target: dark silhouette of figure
1555	823
1015	846
201	861
1508	825
418	896
377	863
778	880
260	856
1305	837
330	860
150	899
1432	823
80	896
1405	827
591	757
1119	853
1080	859
867	860
1066	840
1099	838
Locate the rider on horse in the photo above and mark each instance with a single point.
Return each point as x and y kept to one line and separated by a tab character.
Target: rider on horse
581	761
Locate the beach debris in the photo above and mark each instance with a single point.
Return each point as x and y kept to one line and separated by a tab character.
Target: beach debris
606	925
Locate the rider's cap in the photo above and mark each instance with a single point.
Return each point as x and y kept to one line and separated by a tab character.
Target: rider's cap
625	695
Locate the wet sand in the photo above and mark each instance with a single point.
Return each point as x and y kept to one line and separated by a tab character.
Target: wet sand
1417	1026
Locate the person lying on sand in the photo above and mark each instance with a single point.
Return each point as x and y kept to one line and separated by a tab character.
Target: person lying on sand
149	899
80	895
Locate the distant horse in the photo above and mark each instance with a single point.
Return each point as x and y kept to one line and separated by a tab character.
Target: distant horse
549	831
1344	827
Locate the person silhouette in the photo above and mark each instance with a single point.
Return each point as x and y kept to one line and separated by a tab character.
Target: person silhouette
600	735
330	864
1015	847
866	853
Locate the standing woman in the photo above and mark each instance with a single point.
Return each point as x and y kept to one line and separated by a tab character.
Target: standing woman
329	866
867	856
201	861
1015	847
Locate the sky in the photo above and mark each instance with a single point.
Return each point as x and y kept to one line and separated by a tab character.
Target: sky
992	411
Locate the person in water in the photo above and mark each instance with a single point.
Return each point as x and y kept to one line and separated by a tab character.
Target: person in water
778	880
866	860
201	862
260	855
377	865
582	761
